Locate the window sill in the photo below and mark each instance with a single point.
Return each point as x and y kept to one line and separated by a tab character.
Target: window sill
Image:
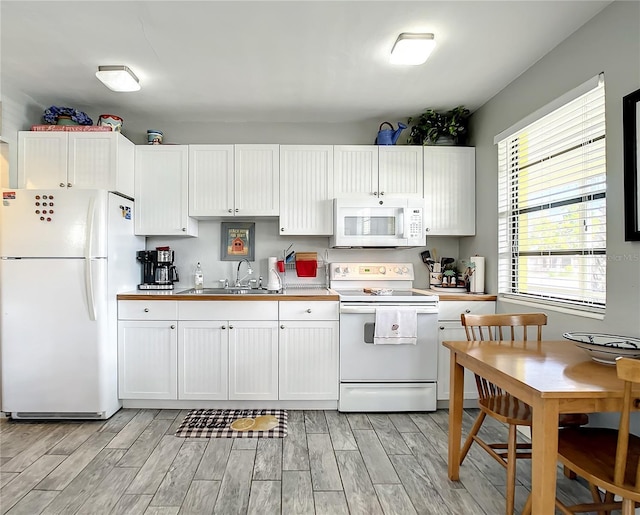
597	314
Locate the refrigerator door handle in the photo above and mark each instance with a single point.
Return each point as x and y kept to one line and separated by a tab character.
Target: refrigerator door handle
88	263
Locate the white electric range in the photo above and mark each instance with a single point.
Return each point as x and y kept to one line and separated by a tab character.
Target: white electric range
384	377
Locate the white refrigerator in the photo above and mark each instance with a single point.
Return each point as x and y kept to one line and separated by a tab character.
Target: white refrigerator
64	256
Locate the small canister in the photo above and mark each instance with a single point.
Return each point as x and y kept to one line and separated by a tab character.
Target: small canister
111	120
154	137
435	278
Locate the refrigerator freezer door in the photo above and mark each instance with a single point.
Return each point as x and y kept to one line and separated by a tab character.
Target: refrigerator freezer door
59	223
55	359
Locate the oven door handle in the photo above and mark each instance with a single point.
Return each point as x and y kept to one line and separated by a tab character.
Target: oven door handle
370	310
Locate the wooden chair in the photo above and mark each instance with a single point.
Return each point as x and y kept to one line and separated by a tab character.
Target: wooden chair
607	458
501	405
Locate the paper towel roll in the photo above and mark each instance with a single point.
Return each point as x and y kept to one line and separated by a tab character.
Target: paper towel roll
273	282
477	277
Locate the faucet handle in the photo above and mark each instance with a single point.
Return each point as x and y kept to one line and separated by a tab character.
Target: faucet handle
224	283
260	282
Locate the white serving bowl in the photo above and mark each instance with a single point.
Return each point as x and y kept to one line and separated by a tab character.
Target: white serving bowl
605	348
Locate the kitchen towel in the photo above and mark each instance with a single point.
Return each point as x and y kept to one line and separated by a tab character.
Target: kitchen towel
395	325
477	277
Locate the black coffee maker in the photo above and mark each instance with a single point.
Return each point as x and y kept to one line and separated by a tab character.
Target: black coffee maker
158	271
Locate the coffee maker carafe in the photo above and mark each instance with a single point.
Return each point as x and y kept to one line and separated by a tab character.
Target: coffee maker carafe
158	271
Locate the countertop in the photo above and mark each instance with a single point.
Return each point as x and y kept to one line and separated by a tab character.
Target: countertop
457	295
292	294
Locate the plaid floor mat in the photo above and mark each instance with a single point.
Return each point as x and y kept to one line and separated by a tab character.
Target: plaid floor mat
212	423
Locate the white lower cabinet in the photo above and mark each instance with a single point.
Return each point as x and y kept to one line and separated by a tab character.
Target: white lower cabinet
309	360
450	329
147	359
253	360
203	356
211	351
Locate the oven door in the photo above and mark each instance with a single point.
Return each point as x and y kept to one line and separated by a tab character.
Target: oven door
363	361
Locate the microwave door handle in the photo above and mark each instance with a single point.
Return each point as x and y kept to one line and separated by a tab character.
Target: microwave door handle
402	216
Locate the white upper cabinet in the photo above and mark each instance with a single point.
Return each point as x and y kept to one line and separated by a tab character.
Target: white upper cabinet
257	180
400	172
378	171
162	191
233	180
85	160
355	171
449	191
306	190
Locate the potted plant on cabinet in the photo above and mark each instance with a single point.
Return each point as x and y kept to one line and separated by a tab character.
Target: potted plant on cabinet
431	126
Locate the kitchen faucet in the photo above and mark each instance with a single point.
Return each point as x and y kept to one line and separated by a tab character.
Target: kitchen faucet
249	271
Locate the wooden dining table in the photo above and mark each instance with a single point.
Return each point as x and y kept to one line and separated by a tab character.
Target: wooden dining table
553	377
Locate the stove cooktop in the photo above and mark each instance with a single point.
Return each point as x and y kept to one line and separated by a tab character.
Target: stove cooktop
384	294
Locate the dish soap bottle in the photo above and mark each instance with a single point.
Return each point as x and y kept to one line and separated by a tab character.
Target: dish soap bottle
198	278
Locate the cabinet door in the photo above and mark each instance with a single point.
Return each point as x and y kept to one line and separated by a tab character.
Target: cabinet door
309	360
253	360
211	180
161	188
306	190
400	172
203	356
452	331
257	180
355	171
147	359
449	191
42	159
93	160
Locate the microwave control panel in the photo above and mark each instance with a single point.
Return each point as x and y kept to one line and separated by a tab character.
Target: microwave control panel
414	223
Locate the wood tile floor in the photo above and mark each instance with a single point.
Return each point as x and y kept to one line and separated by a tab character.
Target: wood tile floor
330	463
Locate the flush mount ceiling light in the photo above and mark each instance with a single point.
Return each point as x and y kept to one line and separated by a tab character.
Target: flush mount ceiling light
118	78
411	48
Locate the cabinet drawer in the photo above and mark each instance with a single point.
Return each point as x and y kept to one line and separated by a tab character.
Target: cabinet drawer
228	310
452	310
311	310
147	310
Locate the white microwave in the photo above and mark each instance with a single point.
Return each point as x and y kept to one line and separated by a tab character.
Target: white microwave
378	223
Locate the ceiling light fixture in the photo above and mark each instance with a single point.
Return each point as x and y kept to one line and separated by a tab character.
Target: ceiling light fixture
411	48
118	78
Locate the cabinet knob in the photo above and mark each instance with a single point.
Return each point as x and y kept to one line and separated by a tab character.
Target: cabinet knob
375	193
237	210
69	185
427	229
467	311
224	327
230	210
309	310
62	184
173	326
184	229
281	327
281	229
442	328
230	327
146	310
381	193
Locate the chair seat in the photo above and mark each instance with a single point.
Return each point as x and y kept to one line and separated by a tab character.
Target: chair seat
597	466
507	409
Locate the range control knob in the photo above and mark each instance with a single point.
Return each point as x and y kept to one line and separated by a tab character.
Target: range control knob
397	271
345	270
382	270
405	269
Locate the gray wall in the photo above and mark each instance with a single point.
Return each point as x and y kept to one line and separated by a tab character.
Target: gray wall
610	42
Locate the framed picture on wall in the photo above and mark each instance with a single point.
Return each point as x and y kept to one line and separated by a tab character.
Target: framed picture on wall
237	241
631	139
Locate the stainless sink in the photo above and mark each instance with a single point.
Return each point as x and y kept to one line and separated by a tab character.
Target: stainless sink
226	291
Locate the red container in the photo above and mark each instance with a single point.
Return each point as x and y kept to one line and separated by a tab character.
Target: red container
307	268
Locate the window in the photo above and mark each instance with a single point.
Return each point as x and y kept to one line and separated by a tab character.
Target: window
552	203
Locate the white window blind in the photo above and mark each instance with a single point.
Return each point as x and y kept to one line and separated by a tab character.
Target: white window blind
552	205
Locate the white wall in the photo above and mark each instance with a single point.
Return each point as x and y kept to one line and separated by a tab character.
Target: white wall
206	249
610	42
